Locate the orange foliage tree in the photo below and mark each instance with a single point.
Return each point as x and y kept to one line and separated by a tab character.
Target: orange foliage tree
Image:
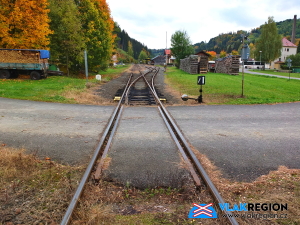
212	54
24	24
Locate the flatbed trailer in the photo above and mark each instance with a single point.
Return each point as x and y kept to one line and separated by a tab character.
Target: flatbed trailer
33	62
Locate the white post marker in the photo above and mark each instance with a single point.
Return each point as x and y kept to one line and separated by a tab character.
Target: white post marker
98	77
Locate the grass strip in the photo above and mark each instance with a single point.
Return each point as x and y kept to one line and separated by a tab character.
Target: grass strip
227	89
60	89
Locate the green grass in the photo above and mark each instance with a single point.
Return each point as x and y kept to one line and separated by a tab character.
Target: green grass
219	88
53	88
227	89
48	90
272	72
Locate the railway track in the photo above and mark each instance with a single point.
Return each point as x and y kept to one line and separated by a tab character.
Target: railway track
140	90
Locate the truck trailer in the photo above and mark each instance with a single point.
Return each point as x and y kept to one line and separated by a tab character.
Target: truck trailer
31	62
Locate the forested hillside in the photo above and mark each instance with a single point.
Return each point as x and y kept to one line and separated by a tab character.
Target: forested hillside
232	41
156	52
124	41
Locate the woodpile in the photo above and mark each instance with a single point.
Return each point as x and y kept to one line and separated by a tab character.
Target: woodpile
229	65
194	64
190	64
203	64
17	56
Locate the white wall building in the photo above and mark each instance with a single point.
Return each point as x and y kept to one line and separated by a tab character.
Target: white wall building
288	48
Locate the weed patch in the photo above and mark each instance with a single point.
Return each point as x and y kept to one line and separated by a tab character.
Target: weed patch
38	191
34	191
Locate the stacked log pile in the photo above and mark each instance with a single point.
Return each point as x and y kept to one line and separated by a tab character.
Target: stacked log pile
15	56
203	64
190	64
229	65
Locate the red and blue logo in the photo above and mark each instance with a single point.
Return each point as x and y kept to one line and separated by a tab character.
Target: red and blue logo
202	211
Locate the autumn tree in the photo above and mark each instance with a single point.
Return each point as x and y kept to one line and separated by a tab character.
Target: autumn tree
234	52
98	28
130	49
67	41
24	24
223	54
143	55
181	46
269	42
212	54
252	51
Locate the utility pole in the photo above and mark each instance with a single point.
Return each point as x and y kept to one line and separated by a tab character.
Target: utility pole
86	66
166	47
245	56
243	69
166	52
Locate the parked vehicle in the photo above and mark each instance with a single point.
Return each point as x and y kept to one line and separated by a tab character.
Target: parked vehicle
33	62
254	65
211	66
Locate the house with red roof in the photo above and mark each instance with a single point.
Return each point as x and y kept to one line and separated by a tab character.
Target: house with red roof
169	57
288	48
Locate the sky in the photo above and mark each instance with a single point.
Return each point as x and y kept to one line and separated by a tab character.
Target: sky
153	22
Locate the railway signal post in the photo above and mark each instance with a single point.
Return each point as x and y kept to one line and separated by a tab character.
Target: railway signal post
200	81
289	64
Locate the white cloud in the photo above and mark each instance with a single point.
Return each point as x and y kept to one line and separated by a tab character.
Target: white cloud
148	21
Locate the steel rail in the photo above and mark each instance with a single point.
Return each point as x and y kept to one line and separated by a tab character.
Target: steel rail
171	126
132	83
98	171
86	175
215	193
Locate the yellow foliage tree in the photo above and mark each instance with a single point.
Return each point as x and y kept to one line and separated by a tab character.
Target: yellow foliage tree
98	32
234	52
223	54
24	24
252	51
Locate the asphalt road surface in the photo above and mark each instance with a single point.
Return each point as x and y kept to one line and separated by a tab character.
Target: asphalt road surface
143	153
243	141
66	133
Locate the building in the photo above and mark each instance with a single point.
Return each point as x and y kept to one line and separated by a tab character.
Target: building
168	55
202	61
288	48
158	60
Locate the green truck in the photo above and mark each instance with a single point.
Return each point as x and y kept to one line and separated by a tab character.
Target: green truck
31	62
